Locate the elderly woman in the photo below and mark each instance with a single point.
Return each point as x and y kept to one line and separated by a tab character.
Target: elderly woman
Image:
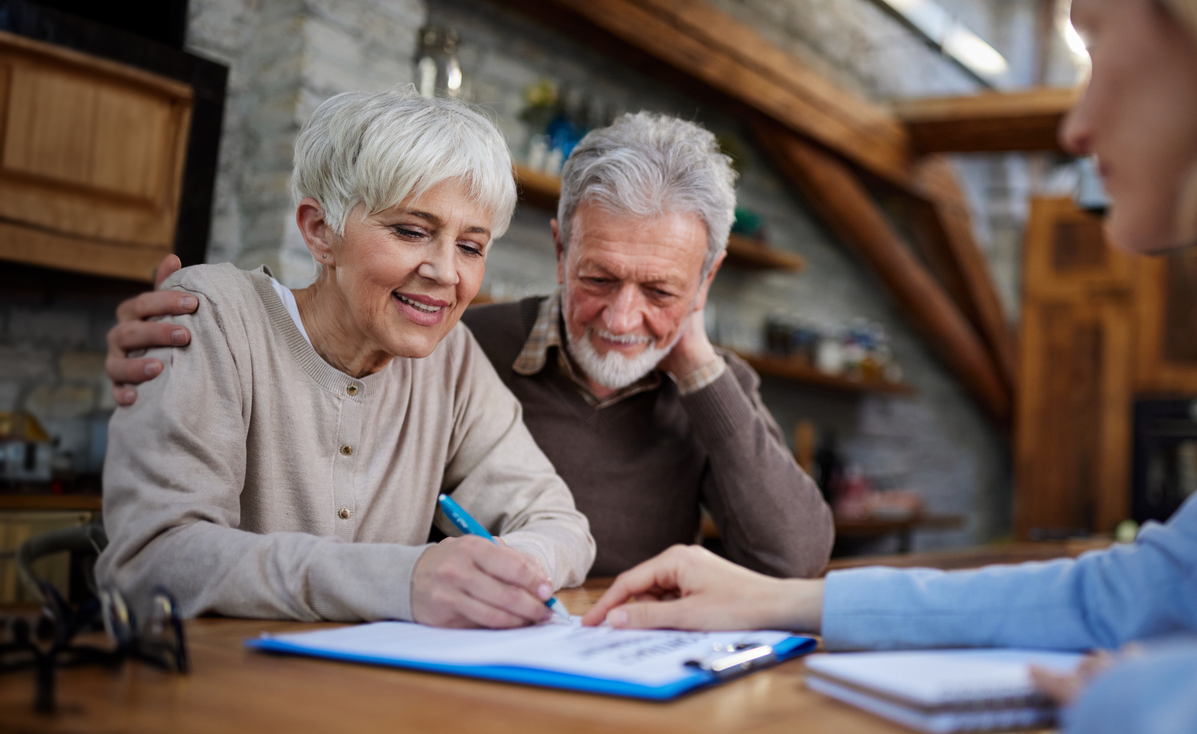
1139	116
290	467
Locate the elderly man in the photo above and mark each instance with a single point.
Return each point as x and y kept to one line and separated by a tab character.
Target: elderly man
644	419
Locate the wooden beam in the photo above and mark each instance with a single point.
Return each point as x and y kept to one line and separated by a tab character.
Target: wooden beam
944	227
837	196
735	61
991	122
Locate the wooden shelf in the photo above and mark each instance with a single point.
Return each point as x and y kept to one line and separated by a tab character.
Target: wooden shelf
50	502
744	253
904	528
536	188
542	190
790	369
869	527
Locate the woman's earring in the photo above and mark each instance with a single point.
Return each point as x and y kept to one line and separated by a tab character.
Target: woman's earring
324	257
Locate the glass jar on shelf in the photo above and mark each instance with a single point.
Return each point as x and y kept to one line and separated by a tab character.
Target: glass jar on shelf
438	72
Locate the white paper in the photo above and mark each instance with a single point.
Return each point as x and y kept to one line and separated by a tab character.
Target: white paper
943	677
648	657
937	722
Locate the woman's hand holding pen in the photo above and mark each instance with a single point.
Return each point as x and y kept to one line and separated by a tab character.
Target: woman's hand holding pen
688	587
469	582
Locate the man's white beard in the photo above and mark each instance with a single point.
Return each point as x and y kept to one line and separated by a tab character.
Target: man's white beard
613	370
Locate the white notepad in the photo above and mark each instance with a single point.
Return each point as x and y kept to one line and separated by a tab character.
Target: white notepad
942	691
652	664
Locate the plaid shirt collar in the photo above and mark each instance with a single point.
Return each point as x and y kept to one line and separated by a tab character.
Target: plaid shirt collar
547	333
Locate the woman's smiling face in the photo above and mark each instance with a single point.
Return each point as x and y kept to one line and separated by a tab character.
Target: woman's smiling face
404	276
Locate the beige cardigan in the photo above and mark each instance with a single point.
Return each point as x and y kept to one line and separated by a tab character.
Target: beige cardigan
252	479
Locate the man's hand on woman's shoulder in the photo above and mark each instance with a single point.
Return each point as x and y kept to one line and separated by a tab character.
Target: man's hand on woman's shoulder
135	331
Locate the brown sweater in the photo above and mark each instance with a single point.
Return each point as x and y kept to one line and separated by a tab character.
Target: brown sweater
639	469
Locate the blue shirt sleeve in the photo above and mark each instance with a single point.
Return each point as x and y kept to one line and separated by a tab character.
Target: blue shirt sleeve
1154	693
1100	600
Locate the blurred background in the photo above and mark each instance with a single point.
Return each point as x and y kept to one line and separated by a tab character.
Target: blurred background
917	270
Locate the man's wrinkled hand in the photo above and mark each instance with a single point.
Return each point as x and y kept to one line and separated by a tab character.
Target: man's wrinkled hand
134	331
471	582
692	350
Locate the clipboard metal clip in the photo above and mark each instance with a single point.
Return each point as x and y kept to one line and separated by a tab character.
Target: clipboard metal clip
737	660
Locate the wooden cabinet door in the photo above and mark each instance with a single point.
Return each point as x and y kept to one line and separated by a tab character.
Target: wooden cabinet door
1073	423
91	160
1166	304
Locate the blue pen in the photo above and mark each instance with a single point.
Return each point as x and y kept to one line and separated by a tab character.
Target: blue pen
468	525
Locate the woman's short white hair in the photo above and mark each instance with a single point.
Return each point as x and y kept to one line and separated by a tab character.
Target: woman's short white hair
379	148
646	165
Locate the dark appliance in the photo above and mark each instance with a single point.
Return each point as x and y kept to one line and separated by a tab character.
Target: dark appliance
1165	461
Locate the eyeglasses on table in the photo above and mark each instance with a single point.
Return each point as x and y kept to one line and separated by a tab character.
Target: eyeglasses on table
48	643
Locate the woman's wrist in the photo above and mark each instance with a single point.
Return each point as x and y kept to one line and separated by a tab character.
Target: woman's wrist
797	605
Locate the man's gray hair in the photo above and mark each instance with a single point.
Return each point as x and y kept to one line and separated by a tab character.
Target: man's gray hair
646	165
379	148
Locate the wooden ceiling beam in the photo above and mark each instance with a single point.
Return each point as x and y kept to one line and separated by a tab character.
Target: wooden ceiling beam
988	123
945	228
836	194
707	45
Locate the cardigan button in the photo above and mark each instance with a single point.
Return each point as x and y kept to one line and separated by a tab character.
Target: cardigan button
352	389
344	513
346	450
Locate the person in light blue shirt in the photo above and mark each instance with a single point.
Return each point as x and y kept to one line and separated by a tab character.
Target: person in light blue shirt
1102	600
1154	692
1139	117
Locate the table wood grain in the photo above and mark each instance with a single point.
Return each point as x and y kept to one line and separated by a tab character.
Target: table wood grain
232	689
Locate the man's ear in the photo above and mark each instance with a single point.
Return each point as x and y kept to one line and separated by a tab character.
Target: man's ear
317	235
559	248
704	290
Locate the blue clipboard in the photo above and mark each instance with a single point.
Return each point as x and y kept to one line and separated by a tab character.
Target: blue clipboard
708	674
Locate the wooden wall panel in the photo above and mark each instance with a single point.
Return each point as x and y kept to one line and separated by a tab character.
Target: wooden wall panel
78	254
1076	368
48	133
137	159
91	155
1167	323
1073	432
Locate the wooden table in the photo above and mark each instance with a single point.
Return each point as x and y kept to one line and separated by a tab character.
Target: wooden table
232	689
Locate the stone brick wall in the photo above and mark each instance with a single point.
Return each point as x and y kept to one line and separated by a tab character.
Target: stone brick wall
52	348
285	57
